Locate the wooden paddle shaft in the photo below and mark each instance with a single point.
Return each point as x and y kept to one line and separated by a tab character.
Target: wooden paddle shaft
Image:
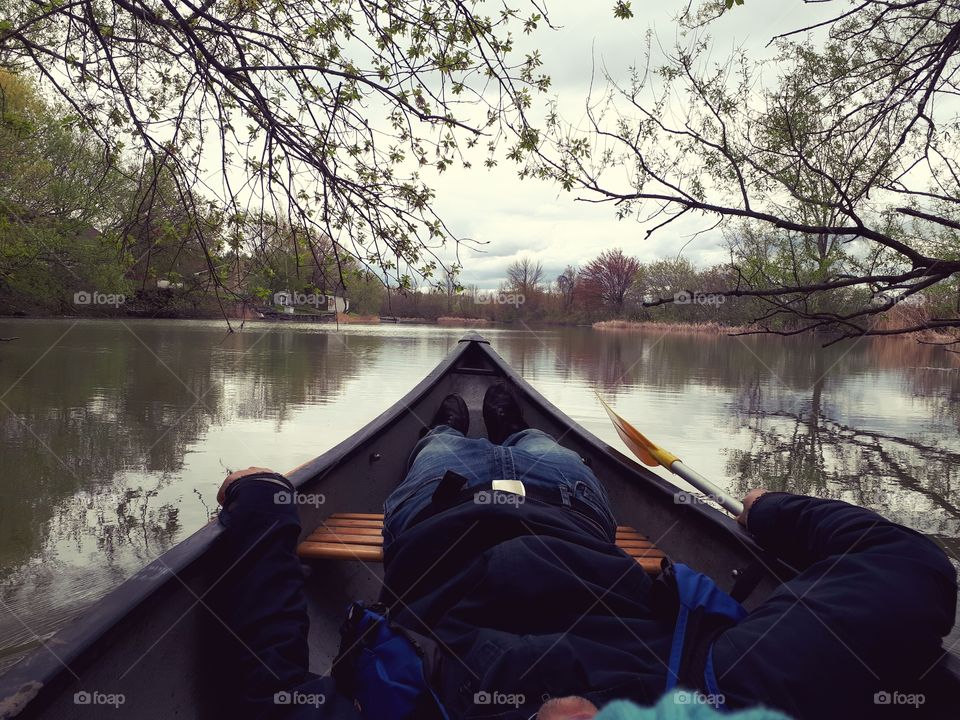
705	486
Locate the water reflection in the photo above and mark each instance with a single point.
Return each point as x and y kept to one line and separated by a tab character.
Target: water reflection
99	425
874	422
809	445
115	435
108	399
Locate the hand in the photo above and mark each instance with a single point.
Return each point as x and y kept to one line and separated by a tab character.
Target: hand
234	476
748	502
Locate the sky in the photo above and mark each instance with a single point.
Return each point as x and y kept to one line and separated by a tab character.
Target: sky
534	218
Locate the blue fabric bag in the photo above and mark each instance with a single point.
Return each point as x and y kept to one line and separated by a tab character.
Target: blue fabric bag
381	667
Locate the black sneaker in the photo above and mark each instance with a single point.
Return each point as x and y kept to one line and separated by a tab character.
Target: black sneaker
502	413
453	412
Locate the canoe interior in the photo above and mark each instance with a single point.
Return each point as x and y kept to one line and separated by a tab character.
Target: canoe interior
154	640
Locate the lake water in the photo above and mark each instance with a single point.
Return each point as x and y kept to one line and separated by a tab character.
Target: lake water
116	434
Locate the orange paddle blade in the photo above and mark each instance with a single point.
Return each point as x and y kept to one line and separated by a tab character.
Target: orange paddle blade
637	442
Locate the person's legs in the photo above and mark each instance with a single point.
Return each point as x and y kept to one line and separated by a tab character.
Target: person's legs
536	441
529	455
441	449
541	460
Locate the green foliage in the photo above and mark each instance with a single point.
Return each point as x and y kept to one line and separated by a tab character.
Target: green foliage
364	290
53	196
328	109
622	10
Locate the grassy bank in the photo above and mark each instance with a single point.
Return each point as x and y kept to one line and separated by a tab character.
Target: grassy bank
347	319
711	328
464	322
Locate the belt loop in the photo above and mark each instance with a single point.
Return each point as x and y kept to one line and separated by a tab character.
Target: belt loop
564	495
507	469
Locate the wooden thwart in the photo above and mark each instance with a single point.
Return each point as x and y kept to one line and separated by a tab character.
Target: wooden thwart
358	536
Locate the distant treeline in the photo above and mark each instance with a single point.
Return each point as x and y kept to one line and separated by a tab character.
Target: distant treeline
616	286
87	228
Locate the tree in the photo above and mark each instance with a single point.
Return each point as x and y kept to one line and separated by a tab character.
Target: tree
610	277
159	234
58	205
668	278
566	287
451	285
847	163
320	112
365	291
525	277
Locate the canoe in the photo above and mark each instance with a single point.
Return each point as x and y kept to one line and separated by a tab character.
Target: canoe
153	642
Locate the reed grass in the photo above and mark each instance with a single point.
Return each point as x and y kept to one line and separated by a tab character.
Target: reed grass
711	328
468	322
347	319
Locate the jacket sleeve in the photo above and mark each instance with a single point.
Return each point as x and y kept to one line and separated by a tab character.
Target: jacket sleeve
805	531
263	605
873	597
890	570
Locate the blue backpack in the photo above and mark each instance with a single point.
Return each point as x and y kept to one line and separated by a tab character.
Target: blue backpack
703	611
380	666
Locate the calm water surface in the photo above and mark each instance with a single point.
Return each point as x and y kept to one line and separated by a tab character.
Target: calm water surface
115	435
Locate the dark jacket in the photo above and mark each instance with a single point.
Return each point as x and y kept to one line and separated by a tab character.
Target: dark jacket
533	601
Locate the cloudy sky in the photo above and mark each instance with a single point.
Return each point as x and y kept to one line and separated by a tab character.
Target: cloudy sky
537	219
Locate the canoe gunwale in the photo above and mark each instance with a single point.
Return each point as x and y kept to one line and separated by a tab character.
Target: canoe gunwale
45	668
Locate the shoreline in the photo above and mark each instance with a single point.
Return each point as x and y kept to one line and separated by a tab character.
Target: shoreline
708	328
932	337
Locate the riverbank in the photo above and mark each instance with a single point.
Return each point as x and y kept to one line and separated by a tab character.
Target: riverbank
933	337
710	328
347	319
464	322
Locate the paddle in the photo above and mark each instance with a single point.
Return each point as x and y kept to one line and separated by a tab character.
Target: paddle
654	455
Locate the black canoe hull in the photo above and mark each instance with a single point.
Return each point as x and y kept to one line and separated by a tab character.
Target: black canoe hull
154	640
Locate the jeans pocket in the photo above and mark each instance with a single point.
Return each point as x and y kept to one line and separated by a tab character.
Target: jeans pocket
589	495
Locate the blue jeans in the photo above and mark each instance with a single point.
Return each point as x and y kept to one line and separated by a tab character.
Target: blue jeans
530	455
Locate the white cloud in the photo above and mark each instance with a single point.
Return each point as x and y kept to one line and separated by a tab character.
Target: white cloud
537	219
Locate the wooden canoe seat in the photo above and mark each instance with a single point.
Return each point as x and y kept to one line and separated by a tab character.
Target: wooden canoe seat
357	536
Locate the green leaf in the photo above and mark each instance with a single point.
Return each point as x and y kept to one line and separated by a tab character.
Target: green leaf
622	10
